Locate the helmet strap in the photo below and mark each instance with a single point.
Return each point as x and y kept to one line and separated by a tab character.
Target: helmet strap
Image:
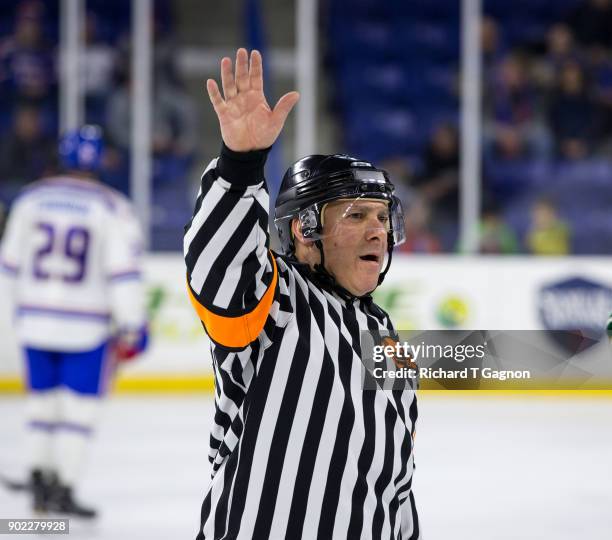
390	244
320	269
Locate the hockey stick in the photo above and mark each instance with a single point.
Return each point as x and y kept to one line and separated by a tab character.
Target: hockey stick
14	485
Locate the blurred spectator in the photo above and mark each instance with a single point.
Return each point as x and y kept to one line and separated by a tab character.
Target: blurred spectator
419	237
439	183
97	69
175	119
174	116
560	49
174	126
507	144
548	234
26	153
514	128
27	70
491	42
560	44
400	173
495	235
602	75
572	114
592	23
118	110
513	95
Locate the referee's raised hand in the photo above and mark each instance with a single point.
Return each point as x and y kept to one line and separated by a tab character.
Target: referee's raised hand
247	122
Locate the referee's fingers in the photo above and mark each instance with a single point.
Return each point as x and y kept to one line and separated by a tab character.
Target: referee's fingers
284	106
242	70
214	95
256	71
227	79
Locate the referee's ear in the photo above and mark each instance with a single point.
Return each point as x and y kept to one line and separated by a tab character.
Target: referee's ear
296	233
304	248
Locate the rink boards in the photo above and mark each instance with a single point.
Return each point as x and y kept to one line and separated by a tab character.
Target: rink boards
420	292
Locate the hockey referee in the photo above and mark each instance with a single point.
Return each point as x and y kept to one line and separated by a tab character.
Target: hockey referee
298	448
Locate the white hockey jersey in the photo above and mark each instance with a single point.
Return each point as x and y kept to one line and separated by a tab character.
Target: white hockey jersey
73	247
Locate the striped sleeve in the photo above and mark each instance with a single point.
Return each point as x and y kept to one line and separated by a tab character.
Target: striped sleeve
231	274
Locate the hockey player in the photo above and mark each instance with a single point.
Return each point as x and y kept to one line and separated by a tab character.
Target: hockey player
298	449
73	248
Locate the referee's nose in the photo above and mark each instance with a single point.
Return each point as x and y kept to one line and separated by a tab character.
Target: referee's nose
375	230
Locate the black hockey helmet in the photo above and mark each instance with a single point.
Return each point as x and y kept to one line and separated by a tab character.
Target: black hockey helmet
315	180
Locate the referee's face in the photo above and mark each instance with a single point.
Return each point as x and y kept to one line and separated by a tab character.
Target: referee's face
355	242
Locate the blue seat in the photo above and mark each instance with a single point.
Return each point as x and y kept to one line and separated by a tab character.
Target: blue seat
510	179
434	41
378	133
393	84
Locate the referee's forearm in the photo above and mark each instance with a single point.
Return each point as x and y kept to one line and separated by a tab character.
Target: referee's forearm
229	266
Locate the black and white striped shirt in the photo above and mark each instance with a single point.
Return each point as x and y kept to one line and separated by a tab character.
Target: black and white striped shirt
298	448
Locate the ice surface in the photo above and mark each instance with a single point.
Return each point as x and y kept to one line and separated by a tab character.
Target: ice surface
487	468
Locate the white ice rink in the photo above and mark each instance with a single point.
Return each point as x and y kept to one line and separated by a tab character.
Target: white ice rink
487	468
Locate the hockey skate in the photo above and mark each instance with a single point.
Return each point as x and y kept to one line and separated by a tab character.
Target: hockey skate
61	501
40	489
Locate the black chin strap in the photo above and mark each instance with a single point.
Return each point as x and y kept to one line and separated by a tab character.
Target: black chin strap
390	244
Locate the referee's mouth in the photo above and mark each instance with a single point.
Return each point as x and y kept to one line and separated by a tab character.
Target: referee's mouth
370	257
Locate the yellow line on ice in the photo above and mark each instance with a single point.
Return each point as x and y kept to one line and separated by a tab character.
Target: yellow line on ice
144	384
199	383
